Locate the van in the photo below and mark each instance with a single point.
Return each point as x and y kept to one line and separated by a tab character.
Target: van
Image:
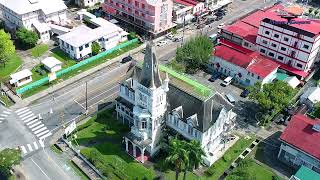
230	98
227	81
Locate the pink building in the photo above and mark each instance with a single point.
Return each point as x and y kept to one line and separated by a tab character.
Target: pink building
151	16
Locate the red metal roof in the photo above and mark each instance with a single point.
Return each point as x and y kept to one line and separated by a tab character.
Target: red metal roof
244	30
234	46
299	133
253	20
183	2
292	69
252	61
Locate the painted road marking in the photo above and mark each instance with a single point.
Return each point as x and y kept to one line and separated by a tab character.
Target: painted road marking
30	148
1	118
4	115
27	120
6	112
40	169
23	149
42	133
26	117
41	125
40	130
45	136
33	125
21	112
31	122
41	143
35	145
25	114
17	111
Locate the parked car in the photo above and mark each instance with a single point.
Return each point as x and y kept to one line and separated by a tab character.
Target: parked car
245	93
230	98
219	18
227	81
177	39
213	37
170	36
143	50
214	77
126	59
220	26
162	43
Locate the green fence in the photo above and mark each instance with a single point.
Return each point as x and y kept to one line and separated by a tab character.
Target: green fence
74	67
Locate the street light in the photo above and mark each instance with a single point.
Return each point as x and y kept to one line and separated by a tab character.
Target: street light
86	98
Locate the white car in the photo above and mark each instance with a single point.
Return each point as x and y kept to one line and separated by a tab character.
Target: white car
221	25
170	36
161	43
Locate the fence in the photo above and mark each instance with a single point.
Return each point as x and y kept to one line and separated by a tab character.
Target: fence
74	67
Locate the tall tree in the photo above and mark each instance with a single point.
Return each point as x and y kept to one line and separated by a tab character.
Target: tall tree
7	48
95	48
195	53
27	38
272	96
178	156
8	158
195	153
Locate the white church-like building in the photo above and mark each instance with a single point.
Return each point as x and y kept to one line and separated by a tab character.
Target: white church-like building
149	103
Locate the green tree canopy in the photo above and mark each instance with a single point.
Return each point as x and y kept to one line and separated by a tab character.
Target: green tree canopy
272	96
95	48
8	158
27	38
195	53
316	111
7	48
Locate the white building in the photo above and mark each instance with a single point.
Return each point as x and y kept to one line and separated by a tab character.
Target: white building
77	43
292	81
21	78
147	103
246	67
52	64
32	14
311	96
182	13
87	3
300	143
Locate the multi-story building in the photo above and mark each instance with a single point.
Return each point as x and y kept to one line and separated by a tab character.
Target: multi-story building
77	43
293	45
33	14
245	66
213	5
87	3
150	104
300	143
152	18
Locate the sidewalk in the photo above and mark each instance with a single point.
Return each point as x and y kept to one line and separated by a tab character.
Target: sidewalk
58	86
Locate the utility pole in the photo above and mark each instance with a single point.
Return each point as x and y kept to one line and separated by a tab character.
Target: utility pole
86	97
184	22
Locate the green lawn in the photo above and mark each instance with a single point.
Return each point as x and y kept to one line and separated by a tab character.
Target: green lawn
11	66
172	175
249	169
217	169
107	155
39	50
78	171
63	57
55	149
6	100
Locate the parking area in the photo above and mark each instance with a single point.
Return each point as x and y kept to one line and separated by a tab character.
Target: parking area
244	107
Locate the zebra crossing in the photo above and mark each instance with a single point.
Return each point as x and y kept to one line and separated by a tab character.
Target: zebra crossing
34	124
4	114
28	148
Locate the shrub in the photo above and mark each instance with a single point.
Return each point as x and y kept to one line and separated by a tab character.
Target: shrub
27	38
95	48
132	35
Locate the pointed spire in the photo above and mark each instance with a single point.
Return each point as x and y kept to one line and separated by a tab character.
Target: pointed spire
150	76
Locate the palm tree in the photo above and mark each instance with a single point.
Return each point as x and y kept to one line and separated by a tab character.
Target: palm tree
195	153
178	156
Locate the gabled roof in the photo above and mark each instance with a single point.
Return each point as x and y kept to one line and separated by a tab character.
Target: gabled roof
251	61
51	62
299	134
150	76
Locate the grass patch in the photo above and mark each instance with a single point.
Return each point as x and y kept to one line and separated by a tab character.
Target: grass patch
55	149
107	154
6	100
217	169
172	175
249	169
39	50
176	66
11	66
78	171
60	55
